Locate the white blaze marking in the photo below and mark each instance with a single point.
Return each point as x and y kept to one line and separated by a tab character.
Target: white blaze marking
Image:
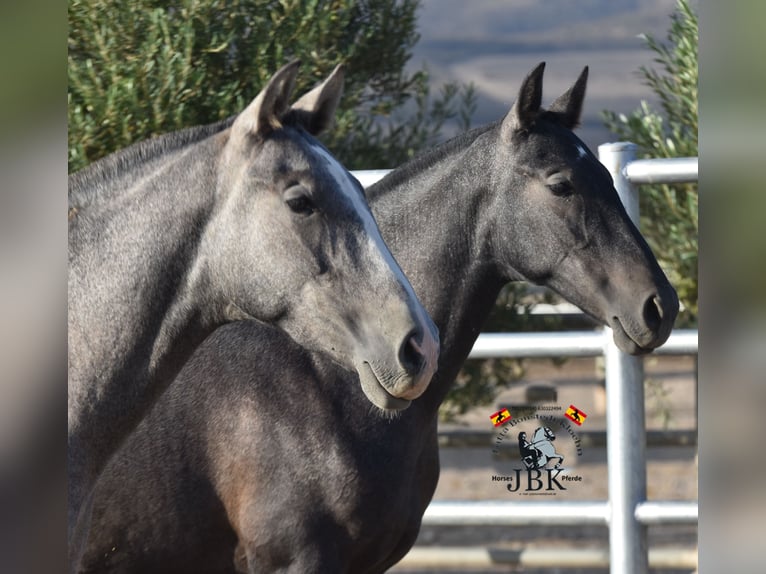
350	190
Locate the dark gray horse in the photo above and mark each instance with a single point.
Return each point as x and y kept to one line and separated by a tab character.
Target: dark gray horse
248	218
255	461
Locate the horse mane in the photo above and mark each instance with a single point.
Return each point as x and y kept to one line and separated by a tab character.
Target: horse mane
429	158
85	184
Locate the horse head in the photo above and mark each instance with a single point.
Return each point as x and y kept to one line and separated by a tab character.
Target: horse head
549	433
337	288
565	226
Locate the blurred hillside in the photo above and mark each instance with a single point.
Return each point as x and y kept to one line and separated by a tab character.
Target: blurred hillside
494	43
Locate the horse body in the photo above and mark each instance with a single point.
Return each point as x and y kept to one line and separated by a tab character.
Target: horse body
312	480
173	237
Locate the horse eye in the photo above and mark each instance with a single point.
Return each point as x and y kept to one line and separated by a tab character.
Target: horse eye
561	188
298	200
301	204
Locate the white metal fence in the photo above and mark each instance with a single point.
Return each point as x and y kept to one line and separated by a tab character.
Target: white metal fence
627	513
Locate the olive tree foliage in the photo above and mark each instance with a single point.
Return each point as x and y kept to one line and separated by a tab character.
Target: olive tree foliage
146	67
669	212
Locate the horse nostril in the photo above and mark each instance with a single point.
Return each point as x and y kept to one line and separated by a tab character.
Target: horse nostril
653	313
411	355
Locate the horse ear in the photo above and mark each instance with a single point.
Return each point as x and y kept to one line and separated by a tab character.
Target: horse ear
263	113
527	104
315	110
569	104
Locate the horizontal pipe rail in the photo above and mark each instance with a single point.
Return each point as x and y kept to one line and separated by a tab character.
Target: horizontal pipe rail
565	513
672	170
667	512
640	171
456	558
505	513
369	176
568	344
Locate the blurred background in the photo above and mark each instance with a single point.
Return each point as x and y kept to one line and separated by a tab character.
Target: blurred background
494	43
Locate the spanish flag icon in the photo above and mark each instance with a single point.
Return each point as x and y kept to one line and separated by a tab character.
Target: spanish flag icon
575	415
500	417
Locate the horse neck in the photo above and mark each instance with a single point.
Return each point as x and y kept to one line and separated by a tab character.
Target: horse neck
133	318
435	220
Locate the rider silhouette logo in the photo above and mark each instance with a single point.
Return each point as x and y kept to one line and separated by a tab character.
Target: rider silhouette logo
540	450
575	415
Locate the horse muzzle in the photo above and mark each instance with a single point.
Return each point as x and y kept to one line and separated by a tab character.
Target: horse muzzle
643	331
417	361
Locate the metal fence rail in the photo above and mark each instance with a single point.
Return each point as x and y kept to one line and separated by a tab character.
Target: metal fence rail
626	452
459	559
569	344
570	513
627	513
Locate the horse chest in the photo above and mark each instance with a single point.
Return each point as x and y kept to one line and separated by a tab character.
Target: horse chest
392	494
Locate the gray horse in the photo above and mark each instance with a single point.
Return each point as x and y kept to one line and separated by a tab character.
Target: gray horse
256	461
250	218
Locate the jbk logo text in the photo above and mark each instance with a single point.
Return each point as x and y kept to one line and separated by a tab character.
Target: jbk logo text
533	480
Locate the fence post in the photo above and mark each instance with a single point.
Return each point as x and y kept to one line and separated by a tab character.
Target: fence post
625	426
